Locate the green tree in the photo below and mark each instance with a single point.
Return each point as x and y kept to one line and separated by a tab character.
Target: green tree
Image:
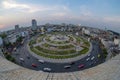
3	35
19	39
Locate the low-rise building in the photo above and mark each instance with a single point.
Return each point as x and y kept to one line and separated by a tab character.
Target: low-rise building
116	41
12	38
24	33
85	31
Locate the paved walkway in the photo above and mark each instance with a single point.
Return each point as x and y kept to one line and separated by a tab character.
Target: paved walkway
52	48
44	40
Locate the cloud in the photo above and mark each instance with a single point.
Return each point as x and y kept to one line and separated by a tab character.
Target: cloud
20	7
30	8
23	7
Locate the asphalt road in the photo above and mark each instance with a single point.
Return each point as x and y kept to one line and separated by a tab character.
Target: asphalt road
22	52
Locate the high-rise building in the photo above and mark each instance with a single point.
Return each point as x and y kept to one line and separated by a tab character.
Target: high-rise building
34	24
1	41
16	27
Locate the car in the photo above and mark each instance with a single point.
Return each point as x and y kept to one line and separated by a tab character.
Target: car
34	65
72	63
67	66
22	59
88	55
14	49
81	66
41	61
47	69
87	59
92	58
91	63
28	57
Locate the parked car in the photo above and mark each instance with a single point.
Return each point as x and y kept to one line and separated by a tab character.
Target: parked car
88	55
41	61
28	57
92	58
81	66
71	63
91	63
34	65
88	59
47	69
14	49
67	66
21	59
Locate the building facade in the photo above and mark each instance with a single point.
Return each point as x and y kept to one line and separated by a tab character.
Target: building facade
16	27
1	41
34	24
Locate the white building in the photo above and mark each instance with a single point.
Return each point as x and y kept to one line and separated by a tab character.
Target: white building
107	43
12	38
42	30
24	33
94	34
85	31
88	39
77	33
116	41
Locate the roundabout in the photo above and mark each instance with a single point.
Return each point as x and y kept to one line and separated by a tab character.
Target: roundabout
58	53
59	46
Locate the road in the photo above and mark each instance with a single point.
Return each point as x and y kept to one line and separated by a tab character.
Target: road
22	52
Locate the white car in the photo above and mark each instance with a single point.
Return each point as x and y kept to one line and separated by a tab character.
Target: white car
92	58
67	66
87	59
41	61
47	69
88	55
14	49
21	59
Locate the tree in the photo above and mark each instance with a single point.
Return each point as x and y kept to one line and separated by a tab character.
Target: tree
19	39
3	35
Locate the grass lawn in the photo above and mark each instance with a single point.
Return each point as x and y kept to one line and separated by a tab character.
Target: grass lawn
63	54
55	52
54	56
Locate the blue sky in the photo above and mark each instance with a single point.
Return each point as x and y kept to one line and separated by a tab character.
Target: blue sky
94	13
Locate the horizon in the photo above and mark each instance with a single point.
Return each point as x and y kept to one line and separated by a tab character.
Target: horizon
12	28
97	14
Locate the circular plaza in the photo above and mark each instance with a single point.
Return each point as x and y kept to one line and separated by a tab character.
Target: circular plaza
58	52
59	47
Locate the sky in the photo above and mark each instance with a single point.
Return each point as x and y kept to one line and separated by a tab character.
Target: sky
93	13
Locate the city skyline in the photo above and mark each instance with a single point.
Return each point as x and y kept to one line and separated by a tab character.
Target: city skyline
95	13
